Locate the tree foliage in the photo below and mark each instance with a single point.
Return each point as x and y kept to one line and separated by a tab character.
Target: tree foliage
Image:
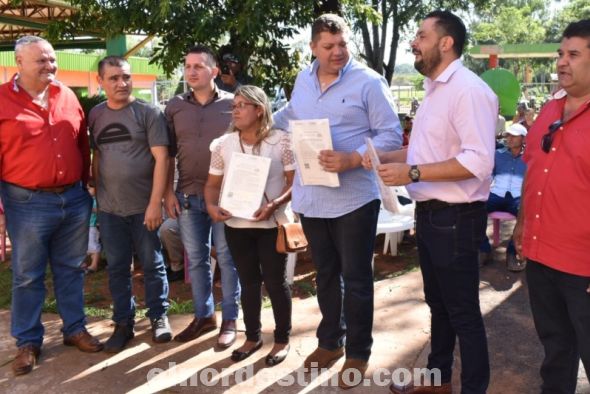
383	22
254	30
511	25
572	12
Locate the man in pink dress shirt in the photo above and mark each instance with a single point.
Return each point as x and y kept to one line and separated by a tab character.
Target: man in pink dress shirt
447	168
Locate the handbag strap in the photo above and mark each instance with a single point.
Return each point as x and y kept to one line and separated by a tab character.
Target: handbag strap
265	196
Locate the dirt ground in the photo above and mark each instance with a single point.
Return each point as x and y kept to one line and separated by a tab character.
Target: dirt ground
386	266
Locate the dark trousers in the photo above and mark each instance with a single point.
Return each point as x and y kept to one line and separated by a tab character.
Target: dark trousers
503	204
561	311
257	260
448	242
342	251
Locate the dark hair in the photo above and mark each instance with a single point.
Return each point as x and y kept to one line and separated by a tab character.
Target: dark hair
451	25
408	117
331	23
199	48
114	61
580	29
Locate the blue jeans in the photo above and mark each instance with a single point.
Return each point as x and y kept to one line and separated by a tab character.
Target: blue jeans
121	236
504	204
196	230
342	252
448	241
46	227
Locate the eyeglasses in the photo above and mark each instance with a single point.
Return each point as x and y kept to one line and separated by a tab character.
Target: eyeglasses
547	139
241	105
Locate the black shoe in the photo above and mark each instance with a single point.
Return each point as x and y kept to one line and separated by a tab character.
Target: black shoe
278	358
174	276
117	342
161	331
239	356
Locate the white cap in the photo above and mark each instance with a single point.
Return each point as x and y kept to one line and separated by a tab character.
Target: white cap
516	129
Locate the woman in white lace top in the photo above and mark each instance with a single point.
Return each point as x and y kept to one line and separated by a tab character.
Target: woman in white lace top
252	242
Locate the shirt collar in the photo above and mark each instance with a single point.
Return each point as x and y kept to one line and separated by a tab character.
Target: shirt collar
188	96
445	75
16	87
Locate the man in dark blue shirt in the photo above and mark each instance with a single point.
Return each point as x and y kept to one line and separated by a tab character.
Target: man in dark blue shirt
508	175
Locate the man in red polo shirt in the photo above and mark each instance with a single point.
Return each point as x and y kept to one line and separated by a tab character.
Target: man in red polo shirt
553	227
44	166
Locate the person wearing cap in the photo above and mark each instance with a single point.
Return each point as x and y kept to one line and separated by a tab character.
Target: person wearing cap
508	175
232	74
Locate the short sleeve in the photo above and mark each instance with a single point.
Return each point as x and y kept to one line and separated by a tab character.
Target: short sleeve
217	165
287	156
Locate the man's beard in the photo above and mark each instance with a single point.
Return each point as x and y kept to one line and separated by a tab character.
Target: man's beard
426	66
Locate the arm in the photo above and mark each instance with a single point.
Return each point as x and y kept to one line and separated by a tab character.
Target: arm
269	207
84	146
383	124
153	213
397	174
518	232
211	192
95	172
170	201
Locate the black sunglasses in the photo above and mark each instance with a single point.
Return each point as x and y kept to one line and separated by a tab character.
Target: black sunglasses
547	139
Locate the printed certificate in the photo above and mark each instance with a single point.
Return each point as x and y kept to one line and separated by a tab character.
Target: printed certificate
243	184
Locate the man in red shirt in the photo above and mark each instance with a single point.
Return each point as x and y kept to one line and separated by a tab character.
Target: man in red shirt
553	227
44	166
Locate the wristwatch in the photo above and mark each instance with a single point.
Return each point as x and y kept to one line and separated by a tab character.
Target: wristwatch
414	173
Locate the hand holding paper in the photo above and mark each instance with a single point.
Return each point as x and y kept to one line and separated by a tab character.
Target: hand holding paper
244	184
311	142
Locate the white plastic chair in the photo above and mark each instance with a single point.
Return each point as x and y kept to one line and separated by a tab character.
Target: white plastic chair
394	224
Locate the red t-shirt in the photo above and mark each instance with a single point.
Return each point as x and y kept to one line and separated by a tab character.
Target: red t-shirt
557	192
42	148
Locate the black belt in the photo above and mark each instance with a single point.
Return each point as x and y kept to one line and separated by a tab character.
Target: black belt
434	205
56	189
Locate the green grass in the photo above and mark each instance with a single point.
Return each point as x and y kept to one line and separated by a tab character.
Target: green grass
306	288
6	285
178	307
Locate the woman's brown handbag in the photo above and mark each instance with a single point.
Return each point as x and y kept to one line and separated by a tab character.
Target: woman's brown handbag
290	238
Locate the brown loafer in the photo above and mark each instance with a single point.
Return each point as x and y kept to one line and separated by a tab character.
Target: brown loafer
25	359
84	342
352	373
227	334
322	358
197	328
444	388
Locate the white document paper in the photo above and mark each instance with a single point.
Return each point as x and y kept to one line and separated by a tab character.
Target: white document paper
243	184
309	138
388	197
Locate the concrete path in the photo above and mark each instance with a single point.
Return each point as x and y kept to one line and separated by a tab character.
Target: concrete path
401	335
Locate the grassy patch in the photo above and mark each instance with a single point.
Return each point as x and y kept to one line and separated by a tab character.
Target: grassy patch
178	307
6	285
408	268
306	289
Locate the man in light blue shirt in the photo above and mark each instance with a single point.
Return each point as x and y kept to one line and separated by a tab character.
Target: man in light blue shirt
509	170
340	223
